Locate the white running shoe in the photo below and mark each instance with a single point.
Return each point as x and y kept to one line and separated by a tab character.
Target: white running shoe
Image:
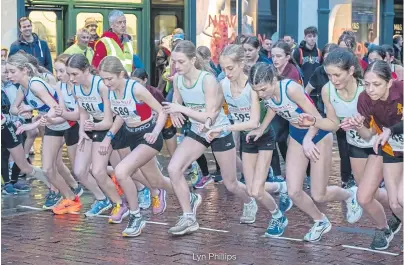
354	210
319	228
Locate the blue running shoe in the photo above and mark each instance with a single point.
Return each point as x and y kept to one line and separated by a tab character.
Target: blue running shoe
21	186
275	178
98	207
277	226
144	198
242	179
9	189
285	203
307	181
51	200
78	191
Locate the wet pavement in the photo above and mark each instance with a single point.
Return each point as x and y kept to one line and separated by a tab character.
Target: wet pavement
39	237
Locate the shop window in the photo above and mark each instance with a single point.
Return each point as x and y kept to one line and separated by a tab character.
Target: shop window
44	25
168	2
131	28
164	25
116	1
360	16
259	18
81	18
216	24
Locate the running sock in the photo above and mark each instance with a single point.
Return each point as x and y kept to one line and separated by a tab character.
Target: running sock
282	188
276	213
322	220
190	215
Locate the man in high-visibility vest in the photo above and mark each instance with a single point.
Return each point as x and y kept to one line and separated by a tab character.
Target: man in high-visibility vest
115	42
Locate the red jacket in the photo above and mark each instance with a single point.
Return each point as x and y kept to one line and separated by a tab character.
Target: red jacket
100	51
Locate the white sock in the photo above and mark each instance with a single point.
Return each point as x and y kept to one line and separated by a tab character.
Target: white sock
190	215
276	213
283	188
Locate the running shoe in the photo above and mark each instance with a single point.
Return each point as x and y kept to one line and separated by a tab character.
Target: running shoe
275	179
9	189
68	206
144	198
195	200
119	212
354	210
249	212
285	202
217	176
98	207
135	226
394	224
319	228
382	239
117	186
159	202
277	226
78	191
21	186
32	151
349	184
203	182
51	200
185	225
194	175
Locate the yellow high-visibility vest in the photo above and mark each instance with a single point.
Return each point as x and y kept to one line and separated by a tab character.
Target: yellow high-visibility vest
125	56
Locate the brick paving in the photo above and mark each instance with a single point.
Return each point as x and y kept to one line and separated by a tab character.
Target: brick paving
41	238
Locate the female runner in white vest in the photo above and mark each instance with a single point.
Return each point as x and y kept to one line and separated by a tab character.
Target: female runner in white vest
244	107
95	121
202	97
133	104
288	99
69	110
340	96
42	97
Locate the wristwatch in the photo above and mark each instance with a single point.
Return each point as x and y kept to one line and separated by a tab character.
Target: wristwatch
110	135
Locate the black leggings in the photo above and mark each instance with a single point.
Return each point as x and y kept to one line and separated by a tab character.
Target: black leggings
343	148
276	162
203	165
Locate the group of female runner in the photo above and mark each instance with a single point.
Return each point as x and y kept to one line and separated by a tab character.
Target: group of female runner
97	115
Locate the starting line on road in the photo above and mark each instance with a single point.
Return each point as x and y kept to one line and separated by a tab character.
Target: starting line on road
222	231
371	250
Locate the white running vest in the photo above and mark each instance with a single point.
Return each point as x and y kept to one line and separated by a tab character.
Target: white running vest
194	98
68	98
125	107
345	109
40	106
91	102
239	107
286	108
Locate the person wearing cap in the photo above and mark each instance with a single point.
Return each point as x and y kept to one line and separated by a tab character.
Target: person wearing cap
30	43
82	45
91	25
115	42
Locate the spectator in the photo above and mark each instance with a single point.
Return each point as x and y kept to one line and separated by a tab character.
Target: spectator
398	47
4	53
115	42
348	40
307	55
30	43
91	25
82	45
290	40
206	56
266	47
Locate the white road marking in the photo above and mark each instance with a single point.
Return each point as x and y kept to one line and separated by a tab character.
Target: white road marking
284	238
371	250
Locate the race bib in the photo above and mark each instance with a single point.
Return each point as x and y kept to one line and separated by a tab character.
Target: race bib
397	142
353	138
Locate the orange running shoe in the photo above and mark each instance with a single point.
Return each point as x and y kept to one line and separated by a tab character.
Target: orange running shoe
118	188
68	206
